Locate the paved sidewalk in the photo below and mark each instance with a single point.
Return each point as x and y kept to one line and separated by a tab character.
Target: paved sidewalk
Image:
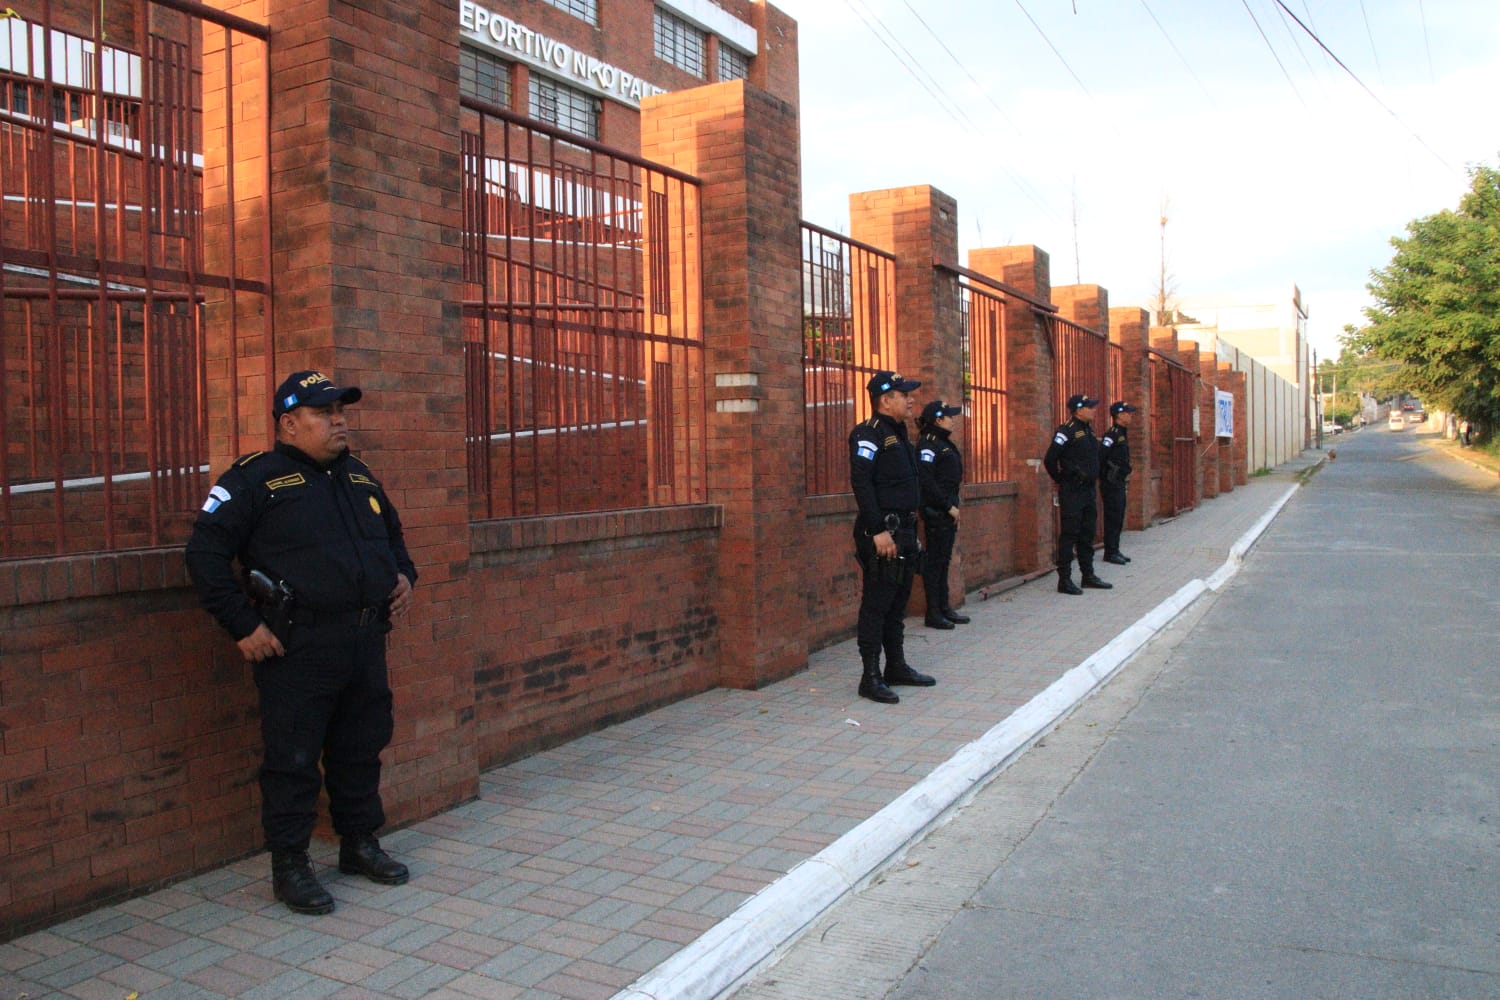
581	869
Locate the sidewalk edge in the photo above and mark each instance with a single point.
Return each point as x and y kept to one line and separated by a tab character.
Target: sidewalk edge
769	922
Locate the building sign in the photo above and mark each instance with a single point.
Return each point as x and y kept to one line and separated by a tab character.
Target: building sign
1223	413
499	33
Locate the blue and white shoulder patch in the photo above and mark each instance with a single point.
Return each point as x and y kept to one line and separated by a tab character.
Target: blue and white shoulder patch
865	450
217	497
1107	441
927	455
1061	437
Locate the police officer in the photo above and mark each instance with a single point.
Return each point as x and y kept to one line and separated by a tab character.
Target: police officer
941	468
1072	460
883	477
1114	448
315	520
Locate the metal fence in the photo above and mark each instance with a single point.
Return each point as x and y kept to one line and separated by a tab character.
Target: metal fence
986	435
128	147
1174	387
848	334
583	324
1085	361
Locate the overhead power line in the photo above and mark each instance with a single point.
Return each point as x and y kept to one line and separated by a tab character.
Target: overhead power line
1353	76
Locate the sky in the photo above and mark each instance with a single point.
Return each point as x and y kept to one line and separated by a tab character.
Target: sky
1076	125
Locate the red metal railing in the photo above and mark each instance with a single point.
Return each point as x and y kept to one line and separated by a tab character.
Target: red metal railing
129	275
1084	361
848	334
985	432
1174	387
583	323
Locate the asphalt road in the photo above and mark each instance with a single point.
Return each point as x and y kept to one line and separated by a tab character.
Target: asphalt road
1291	793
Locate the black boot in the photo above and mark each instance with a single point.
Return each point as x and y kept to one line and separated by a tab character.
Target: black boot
1116	558
361	855
872	685
1065	584
954	616
936	619
293	882
897	671
1094	583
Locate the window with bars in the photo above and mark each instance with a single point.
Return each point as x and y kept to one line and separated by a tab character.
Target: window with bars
680	43
586	9
733	64
484	77
566	107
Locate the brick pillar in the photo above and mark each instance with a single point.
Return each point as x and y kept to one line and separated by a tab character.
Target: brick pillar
920	225
365	181
743	144
1031	414
1239	385
1163	440
1130	329
1201	363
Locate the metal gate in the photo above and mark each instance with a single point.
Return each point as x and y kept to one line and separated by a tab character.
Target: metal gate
128	265
1175	395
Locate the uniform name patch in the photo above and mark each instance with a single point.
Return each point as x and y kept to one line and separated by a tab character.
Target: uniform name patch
281	482
927	455
865	450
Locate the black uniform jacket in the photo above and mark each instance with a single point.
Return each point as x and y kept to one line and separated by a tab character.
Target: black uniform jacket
331	534
882	472
1072	458
941	468
1115	450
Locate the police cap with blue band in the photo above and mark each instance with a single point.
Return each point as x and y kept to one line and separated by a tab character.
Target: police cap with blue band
885	382
310	388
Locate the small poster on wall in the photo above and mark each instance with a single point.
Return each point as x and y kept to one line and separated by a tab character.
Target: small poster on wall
1223	413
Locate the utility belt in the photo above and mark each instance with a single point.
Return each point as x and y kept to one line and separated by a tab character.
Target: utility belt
361	617
906	563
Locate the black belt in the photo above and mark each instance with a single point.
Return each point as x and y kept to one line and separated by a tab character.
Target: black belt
360	617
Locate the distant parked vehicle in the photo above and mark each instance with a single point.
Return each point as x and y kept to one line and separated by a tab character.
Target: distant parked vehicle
1396	423
1329	427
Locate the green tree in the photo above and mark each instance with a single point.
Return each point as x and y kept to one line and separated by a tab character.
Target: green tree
1438	304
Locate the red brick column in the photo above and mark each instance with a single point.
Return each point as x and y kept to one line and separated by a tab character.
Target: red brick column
1238	384
365	125
1130	328
1204	363
743	144
920	225
1031	413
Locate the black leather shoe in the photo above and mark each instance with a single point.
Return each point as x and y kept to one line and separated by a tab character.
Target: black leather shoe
873	688
363	856
1065	585
903	674
1094	583
937	621
293	882
955	617
1116	558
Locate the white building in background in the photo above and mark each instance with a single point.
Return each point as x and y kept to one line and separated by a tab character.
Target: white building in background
1268	342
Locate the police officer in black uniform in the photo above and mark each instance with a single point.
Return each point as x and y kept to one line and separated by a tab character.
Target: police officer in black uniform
317	524
883	477
1072	460
1114	448
941	468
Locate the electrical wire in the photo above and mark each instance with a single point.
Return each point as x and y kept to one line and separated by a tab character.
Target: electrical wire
1353	76
1186	65
1279	63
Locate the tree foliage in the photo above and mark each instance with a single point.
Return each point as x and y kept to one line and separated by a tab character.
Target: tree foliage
1438	305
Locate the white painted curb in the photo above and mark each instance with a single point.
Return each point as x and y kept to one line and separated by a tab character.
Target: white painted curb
771	920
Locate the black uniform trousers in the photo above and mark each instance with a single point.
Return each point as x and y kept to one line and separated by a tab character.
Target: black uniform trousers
883	597
328	698
1079	513
1113	497
942	531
